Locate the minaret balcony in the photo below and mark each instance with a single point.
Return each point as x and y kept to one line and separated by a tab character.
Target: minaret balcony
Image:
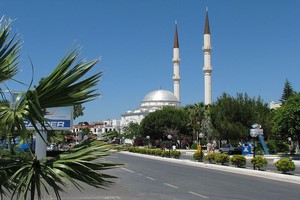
176	60
207	69
176	78
207	48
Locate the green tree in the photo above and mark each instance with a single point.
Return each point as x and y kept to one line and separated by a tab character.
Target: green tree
232	117
87	132
78	110
286	121
195	114
288	92
64	87
156	123
131	130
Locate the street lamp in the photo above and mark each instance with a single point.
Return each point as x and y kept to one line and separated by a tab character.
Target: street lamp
169	138
148	138
200	136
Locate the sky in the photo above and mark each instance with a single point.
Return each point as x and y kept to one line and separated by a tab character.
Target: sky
255	43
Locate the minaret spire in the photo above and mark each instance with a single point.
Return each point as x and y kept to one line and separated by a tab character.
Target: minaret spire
206	26
176	63
207	69
176	42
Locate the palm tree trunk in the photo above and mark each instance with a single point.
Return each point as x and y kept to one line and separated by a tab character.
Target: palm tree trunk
32	192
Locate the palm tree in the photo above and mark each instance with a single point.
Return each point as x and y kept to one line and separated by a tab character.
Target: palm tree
196	115
63	87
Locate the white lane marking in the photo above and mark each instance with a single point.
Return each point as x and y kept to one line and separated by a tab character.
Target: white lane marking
153	179
127	170
140	174
173	186
199	195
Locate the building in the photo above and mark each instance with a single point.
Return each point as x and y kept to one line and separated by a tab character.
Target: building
152	101
274	105
97	128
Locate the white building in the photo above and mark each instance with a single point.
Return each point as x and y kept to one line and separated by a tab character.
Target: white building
152	101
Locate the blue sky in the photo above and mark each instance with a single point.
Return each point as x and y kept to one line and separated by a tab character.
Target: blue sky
256	46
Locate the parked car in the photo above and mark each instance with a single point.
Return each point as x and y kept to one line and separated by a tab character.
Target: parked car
52	147
230	149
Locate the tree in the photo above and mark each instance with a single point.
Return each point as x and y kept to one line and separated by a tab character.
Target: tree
63	87
87	132
232	117
288	91
286	121
132	130
156	123
78	111
195	114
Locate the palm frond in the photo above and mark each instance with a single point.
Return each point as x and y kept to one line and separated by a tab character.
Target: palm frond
63	88
9	52
83	164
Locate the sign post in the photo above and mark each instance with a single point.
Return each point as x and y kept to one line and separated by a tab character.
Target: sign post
60	118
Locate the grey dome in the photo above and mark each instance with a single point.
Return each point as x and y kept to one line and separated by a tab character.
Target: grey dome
160	95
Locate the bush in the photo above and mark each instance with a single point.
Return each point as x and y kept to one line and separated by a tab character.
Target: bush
175	154
222	158
159	152
197	155
194	146
259	162
285	165
210	157
238	160
165	154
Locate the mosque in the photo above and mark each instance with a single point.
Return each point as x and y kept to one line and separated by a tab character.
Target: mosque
159	98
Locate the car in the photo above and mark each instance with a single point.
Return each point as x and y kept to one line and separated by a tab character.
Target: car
52	147
230	149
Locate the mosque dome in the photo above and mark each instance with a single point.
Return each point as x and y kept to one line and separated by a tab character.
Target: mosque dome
160	95
159	98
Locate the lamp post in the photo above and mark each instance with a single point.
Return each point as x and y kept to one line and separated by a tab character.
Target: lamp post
200	136
169	138
148	138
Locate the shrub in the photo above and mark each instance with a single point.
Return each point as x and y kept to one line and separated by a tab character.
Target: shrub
165	154
175	154
198	155
194	146
285	165
238	160
210	157
259	162
159	152
222	158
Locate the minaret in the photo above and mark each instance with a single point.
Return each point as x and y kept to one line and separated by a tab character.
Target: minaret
207	69
176	62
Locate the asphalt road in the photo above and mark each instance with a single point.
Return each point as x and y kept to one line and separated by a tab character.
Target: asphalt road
147	179
141	178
